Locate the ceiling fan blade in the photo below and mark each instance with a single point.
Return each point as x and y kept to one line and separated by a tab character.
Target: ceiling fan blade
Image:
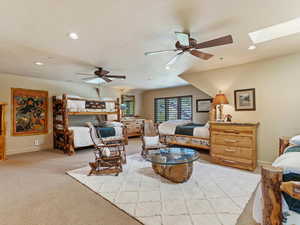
85	74
201	55
173	60
106	79
158	52
183	38
215	42
116	76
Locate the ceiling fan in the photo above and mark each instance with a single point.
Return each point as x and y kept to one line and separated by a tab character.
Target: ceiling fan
103	74
187	44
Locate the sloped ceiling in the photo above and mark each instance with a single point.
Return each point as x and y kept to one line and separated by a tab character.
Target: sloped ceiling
115	34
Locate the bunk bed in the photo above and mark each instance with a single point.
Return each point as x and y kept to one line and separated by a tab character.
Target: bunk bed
67	137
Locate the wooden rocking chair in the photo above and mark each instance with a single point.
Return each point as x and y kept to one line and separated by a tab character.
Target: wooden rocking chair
150	131
108	157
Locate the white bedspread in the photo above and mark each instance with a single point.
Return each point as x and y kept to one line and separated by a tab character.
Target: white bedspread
289	162
169	128
201	132
82	136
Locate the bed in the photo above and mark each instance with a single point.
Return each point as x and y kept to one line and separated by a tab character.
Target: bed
71	113
277	200
184	133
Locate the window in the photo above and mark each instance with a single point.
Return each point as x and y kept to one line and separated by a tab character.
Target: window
173	108
128	104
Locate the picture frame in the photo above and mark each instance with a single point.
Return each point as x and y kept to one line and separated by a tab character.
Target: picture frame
29	112
244	100
203	105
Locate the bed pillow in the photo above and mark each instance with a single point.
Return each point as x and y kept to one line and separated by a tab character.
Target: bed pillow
289	160
151	141
295	140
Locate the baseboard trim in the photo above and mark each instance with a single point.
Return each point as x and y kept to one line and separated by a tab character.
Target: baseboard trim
262	163
26	150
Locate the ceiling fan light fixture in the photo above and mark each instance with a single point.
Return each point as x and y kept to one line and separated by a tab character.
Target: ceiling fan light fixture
95	81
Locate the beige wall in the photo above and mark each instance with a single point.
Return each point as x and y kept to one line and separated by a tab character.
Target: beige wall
277	97
149	96
26	143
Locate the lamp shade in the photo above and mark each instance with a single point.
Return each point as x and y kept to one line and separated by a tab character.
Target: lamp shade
220	99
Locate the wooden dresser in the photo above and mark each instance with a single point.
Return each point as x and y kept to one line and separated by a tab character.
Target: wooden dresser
134	127
234	144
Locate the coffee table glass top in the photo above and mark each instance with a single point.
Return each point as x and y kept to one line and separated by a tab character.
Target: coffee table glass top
172	156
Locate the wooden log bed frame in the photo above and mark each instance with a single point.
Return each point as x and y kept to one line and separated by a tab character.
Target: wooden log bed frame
190	141
64	138
272	187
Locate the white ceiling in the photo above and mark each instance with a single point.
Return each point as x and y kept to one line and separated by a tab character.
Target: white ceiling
115	34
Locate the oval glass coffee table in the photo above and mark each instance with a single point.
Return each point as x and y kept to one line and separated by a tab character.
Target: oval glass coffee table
174	163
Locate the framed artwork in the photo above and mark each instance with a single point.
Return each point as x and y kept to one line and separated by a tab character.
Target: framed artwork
244	100
203	105
29	112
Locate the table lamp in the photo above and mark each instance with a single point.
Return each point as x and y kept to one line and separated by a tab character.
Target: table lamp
219	101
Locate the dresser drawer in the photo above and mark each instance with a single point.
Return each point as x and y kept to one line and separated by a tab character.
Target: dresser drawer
238	152
234	162
236	130
232	140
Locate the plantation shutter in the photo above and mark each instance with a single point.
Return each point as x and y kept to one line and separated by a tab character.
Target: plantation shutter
185	112
160	110
173	108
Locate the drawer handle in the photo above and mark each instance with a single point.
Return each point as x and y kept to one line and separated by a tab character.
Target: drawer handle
230	150
230	140
228	161
231	131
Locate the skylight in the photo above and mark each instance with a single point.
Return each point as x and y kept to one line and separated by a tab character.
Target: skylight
276	31
95	81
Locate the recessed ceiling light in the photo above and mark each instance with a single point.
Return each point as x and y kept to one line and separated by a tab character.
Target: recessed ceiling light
252	47
39	63
167	67
73	36
276	31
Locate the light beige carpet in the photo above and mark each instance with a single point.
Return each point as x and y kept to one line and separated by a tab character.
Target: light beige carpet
36	191
214	195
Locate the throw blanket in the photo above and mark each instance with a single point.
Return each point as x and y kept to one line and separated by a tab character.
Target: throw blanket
290	163
187	129
109	131
184	127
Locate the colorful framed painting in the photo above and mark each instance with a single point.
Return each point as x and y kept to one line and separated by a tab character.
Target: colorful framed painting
244	100
29	112
203	105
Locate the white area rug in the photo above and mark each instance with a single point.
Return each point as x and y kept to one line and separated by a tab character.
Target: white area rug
214	195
